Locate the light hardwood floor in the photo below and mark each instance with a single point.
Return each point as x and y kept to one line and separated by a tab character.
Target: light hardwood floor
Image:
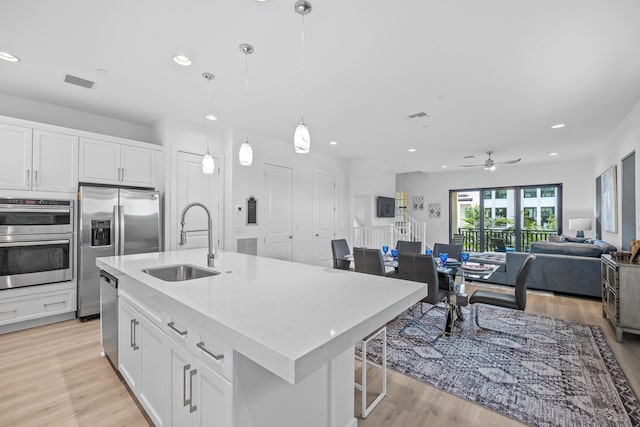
54	376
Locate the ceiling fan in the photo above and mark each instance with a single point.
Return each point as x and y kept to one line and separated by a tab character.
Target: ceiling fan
489	164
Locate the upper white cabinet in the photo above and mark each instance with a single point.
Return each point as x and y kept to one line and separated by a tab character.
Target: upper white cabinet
37	160
105	162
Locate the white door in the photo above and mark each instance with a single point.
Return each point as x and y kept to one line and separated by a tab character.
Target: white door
195	186
324	218
15	162
278	212
55	161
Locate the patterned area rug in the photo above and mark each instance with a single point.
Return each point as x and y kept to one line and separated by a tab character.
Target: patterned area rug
566	376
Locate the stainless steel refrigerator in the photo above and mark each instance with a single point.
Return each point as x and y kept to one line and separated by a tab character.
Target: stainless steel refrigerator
112	221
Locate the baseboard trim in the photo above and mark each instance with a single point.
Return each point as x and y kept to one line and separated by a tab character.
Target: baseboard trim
13	327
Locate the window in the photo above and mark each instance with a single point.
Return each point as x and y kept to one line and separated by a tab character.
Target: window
501	194
501	212
548	192
547	214
487	195
487	212
530	193
530	216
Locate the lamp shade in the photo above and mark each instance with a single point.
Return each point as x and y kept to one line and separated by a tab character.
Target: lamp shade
579	224
245	155
207	163
301	138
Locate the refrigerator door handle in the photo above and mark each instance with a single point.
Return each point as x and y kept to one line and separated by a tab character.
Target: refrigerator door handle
121	228
116	229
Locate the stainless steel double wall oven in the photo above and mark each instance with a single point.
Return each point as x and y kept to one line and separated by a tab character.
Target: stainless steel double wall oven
36	242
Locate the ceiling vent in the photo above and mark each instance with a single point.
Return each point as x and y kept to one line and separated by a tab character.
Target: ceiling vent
78	81
417	116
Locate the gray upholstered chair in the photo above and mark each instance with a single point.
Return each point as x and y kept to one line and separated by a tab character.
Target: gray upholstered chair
499	245
340	249
454	251
369	261
515	301
422	268
408	246
457	239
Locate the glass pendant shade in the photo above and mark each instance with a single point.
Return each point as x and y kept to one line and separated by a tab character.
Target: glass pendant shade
207	163
245	155
301	138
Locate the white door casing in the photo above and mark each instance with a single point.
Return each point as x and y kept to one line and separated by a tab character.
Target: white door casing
324	218
195	186
278	212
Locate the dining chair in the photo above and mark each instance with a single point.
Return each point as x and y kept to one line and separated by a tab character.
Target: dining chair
499	245
368	261
514	301
457	239
340	249
409	246
422	268
454	251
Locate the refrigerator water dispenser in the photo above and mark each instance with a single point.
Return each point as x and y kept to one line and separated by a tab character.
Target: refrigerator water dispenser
100	233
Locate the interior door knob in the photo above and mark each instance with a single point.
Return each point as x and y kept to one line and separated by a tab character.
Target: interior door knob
291	236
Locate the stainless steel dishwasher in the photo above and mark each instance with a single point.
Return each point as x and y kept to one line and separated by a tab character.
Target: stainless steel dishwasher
109	316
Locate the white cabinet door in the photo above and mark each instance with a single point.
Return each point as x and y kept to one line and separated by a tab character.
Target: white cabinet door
138	166
99	161
213	398
199	396
129	357
154	378
55	161
15	162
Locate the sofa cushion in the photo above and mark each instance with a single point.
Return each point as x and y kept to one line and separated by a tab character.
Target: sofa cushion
576	249
604	246
575	239
557	239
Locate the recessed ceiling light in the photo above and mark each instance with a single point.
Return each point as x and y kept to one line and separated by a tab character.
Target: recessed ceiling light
210	117
332	142
6	56
412	150
444	166
558	126
553	154
182	60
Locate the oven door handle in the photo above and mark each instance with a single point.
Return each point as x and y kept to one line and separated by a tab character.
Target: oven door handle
35	209
38	243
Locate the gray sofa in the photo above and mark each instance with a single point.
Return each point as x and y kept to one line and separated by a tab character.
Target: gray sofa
565	267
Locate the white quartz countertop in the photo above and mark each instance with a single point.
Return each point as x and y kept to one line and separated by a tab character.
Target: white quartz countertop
291	318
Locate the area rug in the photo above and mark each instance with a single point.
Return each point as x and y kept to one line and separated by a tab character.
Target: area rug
566	376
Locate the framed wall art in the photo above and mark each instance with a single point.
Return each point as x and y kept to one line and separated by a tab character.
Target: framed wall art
434	209
609	201
418	202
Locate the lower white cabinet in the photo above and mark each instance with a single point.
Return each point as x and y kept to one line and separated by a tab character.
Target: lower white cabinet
199	396
143	361
34	302
173	385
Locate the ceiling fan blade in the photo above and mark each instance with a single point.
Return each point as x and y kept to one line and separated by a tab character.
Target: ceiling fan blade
472	166
508	162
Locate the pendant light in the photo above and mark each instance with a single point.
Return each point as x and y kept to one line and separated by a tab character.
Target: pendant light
245	155
208	165
301	137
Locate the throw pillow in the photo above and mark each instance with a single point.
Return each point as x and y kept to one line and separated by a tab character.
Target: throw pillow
556	239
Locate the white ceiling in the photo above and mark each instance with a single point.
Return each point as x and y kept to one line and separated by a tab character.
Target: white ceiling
491	74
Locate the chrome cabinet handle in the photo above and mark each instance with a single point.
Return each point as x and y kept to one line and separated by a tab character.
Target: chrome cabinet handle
185	401
28	177
122	174
201	346
192	408
35	174
55	303
134	323
172	326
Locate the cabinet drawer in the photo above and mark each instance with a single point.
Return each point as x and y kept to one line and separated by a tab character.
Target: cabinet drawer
29	307
209	350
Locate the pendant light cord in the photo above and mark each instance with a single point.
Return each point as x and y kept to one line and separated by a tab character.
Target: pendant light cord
246	85
302	73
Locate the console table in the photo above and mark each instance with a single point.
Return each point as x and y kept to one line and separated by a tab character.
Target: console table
621	295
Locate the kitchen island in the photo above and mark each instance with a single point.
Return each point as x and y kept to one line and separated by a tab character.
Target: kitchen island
274	338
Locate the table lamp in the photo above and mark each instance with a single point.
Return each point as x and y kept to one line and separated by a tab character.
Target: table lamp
579	225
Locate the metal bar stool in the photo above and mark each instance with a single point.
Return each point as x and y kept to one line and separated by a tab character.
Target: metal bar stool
366	410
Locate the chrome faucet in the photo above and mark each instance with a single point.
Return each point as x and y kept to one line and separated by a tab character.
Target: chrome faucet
183	233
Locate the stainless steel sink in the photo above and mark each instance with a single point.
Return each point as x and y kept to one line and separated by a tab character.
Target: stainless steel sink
180	273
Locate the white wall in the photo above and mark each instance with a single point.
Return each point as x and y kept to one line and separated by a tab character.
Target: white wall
624	140
245	181
28	109
370	178
576	177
